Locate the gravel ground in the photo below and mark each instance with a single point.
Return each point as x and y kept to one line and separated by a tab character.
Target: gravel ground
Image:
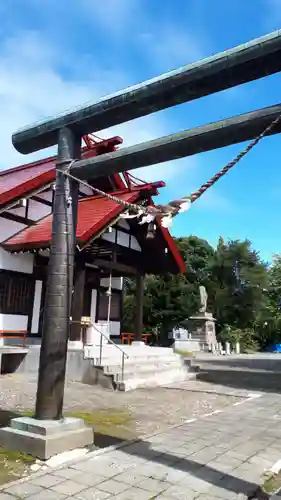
150	410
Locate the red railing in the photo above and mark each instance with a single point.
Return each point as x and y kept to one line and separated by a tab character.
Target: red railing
14	334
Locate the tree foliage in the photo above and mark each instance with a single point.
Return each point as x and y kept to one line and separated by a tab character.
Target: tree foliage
244	293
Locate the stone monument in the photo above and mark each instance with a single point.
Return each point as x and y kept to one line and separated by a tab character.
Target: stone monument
202	326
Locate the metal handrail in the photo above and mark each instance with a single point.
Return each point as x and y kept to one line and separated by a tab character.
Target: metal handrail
115	345
111	341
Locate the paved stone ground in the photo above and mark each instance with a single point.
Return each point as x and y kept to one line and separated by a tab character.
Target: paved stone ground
167	406
221	455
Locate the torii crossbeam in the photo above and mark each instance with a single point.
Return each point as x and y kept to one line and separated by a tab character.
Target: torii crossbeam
192	141
247	62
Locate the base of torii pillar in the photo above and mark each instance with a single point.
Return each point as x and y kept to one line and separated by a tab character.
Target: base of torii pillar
45	438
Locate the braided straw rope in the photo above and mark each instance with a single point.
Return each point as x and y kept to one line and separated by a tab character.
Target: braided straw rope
173	208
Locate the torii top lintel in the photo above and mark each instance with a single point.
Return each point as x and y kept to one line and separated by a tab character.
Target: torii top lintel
250	61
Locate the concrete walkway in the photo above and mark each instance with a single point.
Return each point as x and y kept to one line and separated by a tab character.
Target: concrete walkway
221	455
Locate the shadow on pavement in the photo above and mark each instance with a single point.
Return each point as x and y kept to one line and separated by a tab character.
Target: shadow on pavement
202	472
6	416
246	373
104	440
254	380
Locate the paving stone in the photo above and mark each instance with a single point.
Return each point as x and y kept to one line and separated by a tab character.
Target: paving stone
221	493
46	495
221	466
194	483
87	479
68	487
112	486
207	497
24	490
181	492
91	494
134	494
5	496
130	478
154	485
67	473
47	480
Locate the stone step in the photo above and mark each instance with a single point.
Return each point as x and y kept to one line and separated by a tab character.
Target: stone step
140	371
111	352
115	364
133	362
156	379
142	368
145	367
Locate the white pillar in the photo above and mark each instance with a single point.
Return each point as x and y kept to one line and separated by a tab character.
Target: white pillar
227	348
36	306
237	348
92	336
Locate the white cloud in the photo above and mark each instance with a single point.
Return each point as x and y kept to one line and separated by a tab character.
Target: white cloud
115	15
168	46
32	87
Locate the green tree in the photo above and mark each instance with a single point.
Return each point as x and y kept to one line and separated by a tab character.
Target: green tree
239	280
268	324
169	300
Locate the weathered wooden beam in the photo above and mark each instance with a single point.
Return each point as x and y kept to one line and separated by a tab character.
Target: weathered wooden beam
41	200
187	143
17	218
244	63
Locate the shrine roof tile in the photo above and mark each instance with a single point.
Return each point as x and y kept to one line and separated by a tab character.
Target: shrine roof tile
94	214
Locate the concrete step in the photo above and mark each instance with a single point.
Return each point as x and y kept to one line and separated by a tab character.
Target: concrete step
137	361
115	365
145	367
113	353
156	379
140	371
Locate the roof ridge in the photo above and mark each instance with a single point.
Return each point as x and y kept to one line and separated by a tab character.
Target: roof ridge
121	192
26	165
34	163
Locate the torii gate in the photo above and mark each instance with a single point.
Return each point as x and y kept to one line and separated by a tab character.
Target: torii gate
242	64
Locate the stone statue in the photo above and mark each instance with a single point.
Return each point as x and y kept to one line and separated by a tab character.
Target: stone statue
203	299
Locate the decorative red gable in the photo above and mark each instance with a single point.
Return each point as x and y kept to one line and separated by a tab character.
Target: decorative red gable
94	214
20	181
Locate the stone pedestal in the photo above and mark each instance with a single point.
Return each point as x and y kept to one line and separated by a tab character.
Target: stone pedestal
202	328
45	438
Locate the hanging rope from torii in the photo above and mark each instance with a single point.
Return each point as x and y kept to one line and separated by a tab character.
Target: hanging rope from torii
165	213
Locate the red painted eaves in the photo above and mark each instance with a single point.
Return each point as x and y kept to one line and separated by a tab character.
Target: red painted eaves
171	245
94	213
20	181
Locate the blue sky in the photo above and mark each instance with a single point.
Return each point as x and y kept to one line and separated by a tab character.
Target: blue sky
58	53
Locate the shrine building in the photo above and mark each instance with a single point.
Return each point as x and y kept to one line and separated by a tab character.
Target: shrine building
109	248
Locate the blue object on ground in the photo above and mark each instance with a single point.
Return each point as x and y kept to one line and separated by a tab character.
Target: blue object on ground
274	348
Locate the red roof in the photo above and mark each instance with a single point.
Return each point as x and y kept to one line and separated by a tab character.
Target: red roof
19	181
173	248
94	213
